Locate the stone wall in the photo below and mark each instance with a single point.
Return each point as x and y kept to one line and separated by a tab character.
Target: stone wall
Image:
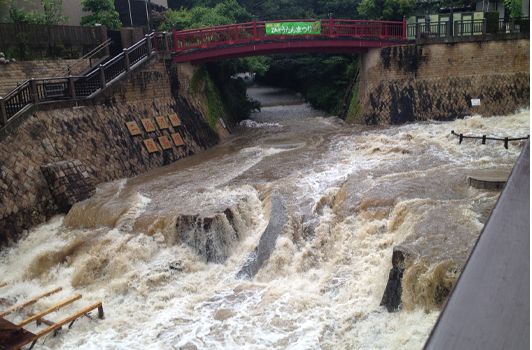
418	82
16	73
95	133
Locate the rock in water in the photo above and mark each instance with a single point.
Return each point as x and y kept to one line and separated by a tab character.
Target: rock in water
278	219
392	294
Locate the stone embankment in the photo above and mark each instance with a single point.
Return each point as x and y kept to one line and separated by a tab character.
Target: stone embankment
443	81
93	134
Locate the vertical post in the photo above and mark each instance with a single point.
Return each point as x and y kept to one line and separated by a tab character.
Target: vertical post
126	60
418	30
236	32
174	34
404	28
166	47
472	25
484	26
456	28
451	19
461	139
201	34
506	142
447	29
34	92
148	44
254	28
103	84
512	28
331	25
3	112
483	139
72	87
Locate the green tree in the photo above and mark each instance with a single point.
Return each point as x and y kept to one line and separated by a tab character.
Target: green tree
388	10
103	12
515	7
50	14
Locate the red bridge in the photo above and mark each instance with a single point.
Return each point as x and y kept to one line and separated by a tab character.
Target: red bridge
292	36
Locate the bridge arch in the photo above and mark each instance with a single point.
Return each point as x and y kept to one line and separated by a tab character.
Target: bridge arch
289	36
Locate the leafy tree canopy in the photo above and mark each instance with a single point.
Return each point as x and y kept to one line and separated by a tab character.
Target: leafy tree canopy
50	14
387	10
103	12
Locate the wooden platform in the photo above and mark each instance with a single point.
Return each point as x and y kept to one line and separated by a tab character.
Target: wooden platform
14	336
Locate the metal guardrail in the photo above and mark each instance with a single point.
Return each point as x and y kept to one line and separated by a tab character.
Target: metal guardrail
256	31
469	27
484	138
35	91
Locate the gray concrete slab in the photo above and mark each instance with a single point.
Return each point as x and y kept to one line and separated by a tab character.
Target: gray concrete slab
489	307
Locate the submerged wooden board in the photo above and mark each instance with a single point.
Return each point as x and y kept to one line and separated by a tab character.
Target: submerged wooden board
13	336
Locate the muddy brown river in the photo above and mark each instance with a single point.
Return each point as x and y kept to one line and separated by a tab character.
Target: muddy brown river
162	251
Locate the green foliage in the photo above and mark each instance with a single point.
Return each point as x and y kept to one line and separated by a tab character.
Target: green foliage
321	78
215	107
103	12
388	10
354	109
50	14
515	7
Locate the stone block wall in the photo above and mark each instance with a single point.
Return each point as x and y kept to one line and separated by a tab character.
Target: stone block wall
16	73
95	133
419	82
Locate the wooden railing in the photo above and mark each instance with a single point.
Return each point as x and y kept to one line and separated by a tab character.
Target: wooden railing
256	31
34	91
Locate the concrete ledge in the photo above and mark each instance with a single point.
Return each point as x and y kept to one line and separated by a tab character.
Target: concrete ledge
472	38
489	307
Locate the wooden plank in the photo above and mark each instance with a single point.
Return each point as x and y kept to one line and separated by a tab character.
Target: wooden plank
61	323
11	335
50	310
32	301
27	313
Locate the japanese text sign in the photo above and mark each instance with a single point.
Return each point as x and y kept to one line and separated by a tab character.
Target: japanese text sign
293	28
177	139
174	119
148	125
150	145
133	128
162	122
163	140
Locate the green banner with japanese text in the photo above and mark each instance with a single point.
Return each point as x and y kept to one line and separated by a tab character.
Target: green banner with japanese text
293	28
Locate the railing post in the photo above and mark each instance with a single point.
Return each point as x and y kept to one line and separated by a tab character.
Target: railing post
447	29
254	28
34	92
404	28
175	39
148	44
102	77
456	32
3	112
484	26
72	87
236	32
512	28
331	26
126	60
418	30
166	47
472	25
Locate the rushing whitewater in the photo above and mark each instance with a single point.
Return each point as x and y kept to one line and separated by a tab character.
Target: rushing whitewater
162	251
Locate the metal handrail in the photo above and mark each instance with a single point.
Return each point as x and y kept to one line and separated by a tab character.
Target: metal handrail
34	91
89	55
484	138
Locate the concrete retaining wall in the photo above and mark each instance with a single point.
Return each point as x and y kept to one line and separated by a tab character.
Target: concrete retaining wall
419	82
95	133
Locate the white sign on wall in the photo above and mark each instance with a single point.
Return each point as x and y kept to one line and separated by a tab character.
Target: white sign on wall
475	102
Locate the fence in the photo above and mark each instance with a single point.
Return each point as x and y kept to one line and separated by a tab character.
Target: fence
33	41
461	137
468	27
34	91
253	31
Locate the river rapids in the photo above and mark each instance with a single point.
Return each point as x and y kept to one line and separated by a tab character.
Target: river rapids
162	251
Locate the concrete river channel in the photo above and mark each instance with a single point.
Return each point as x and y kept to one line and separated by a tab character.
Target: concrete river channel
279	238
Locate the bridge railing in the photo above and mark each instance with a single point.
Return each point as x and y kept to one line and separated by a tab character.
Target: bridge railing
467	27
34	91
256	31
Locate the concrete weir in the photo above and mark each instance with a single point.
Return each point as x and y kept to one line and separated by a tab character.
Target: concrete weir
489	307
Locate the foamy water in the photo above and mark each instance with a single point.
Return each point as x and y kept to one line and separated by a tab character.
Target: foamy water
352	193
